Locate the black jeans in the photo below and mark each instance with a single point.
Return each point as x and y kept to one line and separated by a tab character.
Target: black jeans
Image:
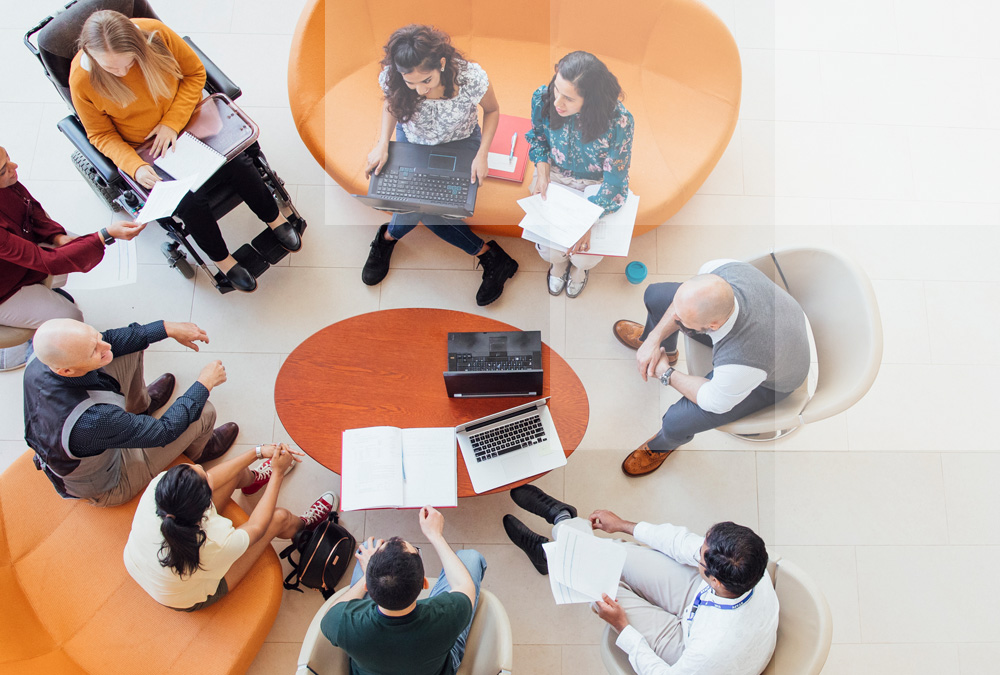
194	210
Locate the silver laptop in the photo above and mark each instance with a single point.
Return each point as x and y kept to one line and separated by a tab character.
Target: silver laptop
510	445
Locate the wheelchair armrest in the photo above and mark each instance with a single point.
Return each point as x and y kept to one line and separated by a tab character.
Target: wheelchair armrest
216	81
77	135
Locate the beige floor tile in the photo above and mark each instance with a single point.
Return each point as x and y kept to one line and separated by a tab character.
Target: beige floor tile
276	657
727	176
948	300
590	317
624	410
296	613
880	213
289	305
677	492
582	660
979	659
723	210
972	499
939	612
902	413
643	249
834	568
903	307
527	597
537	659
841	498
871	659
685	249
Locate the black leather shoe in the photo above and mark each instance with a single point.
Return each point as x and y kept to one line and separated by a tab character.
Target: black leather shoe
377	265
241	279
528	541
159	392
533	500
222	439
288	237
498	267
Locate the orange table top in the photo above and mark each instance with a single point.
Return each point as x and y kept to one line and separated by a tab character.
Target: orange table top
385	369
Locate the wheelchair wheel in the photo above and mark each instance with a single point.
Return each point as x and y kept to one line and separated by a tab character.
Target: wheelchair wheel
177	259
97	183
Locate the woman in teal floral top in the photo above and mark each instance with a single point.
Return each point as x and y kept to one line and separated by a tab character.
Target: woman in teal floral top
581	136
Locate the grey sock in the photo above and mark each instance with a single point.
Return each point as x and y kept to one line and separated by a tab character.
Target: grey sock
561	516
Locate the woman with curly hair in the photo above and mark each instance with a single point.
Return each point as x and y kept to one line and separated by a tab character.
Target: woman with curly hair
581	136
432	96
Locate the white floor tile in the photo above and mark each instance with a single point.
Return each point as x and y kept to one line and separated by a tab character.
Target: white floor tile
874	659
955	164
835	570
972	500
755	24
903	306
961	28
727	176
758	96
947	300
817	25
22	122
24	77
978	659
258	16
799	88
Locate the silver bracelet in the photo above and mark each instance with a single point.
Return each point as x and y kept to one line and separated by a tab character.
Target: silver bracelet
260	455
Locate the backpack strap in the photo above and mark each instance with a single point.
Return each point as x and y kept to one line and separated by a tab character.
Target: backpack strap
288	583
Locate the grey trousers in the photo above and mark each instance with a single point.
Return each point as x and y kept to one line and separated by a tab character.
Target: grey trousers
684	419
35	304
140	465
654	591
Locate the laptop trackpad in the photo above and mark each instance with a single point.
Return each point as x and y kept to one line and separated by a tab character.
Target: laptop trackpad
519	465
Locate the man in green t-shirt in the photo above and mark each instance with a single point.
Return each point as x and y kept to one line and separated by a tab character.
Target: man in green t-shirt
384	628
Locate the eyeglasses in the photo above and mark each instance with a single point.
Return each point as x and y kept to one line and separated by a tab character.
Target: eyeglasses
687	331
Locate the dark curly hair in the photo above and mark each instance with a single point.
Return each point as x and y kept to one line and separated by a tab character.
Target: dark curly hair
736	556
182	497
418	47
597	85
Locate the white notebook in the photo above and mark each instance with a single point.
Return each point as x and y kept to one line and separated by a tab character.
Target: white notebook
388	467
191	158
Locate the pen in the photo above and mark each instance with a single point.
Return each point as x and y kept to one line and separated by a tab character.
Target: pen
513	142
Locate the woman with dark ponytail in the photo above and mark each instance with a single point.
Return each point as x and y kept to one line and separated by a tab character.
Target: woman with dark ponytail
186	555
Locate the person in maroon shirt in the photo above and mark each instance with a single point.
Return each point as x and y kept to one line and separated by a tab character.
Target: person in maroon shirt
25	301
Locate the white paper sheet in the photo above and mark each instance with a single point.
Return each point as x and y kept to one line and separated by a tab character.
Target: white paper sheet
190	157
563	216
371	468
585	565
164	198
117	268
430	467
497	161
611	235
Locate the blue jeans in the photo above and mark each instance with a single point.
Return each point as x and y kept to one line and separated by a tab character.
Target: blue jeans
476	564
453	231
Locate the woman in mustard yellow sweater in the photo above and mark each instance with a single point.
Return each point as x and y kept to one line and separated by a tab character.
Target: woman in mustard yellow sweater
133	80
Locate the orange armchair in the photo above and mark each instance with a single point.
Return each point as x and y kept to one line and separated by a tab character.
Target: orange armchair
675	59
69	606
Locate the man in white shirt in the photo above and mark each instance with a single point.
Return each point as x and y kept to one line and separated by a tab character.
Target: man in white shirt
760	351
687	605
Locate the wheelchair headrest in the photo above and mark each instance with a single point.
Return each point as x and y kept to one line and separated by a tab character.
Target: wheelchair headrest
57	40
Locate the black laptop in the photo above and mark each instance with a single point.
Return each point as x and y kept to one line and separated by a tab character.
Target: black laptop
494	364
424	179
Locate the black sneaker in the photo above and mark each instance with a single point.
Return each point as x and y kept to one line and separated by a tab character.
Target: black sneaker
533	500
377	265
498	267
528	541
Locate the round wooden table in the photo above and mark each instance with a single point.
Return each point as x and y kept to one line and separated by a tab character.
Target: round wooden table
385	369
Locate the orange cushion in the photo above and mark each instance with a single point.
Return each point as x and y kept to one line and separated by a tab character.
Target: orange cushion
675	59
71	607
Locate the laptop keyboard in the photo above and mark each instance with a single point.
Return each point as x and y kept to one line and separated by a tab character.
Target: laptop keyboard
406	183
466	362
518	434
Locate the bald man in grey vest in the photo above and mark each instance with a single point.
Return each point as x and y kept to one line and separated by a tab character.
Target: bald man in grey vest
760	351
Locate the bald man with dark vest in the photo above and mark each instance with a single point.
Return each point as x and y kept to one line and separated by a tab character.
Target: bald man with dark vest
760	351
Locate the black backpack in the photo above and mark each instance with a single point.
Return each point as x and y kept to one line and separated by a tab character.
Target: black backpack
325	553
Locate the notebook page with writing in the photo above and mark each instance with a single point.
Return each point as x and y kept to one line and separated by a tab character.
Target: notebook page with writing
430	467
191	157
371	468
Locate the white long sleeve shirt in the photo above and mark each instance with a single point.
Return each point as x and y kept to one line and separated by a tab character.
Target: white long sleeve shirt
717	641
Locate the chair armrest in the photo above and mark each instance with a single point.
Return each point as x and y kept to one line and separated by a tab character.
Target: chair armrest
77	135
216	81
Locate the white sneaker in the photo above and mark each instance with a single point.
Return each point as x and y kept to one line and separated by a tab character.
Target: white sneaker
556	284
320	509
575	288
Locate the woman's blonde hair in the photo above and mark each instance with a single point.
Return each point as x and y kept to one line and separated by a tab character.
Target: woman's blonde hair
111	32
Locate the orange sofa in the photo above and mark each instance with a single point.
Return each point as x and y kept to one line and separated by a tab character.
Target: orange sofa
675	59
69	606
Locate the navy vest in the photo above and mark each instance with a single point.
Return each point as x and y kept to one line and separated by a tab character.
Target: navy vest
52	405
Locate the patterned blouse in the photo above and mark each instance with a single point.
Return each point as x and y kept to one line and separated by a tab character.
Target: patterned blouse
442	120
606	158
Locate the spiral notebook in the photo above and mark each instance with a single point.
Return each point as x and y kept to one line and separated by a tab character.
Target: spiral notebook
191	158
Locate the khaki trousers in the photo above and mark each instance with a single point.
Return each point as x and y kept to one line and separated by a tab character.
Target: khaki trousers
140	465
35	304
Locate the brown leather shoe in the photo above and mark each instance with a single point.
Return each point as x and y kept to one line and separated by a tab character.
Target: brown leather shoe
159	392
643	460
222	439
628	333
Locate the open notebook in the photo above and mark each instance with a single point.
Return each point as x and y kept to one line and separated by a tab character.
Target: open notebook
388	467
191	158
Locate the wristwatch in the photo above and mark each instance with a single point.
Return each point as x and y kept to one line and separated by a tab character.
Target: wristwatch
108	239
665	377
260	455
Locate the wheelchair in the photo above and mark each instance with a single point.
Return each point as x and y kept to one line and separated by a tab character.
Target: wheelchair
56	46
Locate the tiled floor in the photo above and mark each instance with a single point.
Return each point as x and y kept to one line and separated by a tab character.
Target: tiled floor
870	126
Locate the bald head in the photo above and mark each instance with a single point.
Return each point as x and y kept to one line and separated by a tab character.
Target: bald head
68	345
704	300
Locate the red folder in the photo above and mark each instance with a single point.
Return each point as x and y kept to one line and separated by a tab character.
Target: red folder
509	125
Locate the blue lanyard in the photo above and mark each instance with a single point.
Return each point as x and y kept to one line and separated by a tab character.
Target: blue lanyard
698	602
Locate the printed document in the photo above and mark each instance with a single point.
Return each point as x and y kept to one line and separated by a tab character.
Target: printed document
611	235
387	467
582	566
191	157
164	198
562	217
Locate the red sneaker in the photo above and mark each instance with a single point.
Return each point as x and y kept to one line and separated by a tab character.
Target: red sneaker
320	509
261	475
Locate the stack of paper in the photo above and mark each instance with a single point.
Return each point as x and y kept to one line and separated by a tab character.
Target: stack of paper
389	467
565	215
582	567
